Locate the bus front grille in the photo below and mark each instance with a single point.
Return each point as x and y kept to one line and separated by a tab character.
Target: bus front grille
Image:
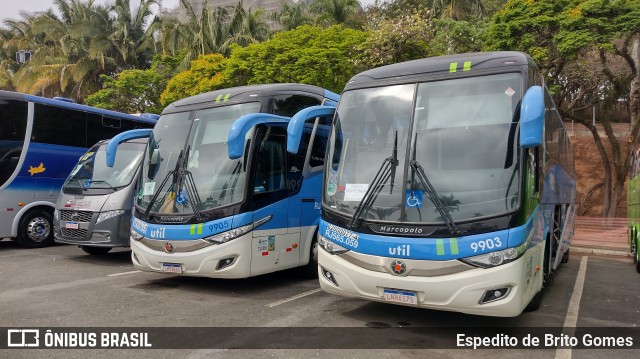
76	216
74	233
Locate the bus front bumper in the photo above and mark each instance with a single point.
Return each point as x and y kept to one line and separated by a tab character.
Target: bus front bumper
459	292
211	261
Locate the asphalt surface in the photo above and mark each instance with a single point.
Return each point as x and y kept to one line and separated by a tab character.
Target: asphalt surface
62	287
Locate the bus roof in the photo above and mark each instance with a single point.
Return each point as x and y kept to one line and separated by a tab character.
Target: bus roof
74	106
243	93
446	65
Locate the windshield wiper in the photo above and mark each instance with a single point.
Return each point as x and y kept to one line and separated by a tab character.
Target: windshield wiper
387	169
431	192
154	198
180	174
193	196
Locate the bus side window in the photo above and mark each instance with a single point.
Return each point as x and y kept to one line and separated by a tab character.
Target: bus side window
59	126
289	105
271	172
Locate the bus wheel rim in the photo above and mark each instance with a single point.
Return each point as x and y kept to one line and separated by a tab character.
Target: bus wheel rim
38	229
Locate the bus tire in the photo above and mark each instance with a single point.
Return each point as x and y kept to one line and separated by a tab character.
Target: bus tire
35	229
535	302
310	270
96	251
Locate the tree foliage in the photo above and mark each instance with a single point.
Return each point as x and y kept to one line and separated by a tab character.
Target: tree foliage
414	36
205	74
135	91
588	52
307	54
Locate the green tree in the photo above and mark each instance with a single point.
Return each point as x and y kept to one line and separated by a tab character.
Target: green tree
205	74
73	46
563	36
135	91
416	35
307	54
331	12
292	16
247	27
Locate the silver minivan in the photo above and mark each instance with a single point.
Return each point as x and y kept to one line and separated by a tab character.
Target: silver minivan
94	207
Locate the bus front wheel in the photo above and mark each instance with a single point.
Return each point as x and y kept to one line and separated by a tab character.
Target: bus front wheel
36	229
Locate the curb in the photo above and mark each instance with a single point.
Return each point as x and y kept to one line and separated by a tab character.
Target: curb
600	251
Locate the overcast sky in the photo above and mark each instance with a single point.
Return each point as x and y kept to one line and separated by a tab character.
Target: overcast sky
11	8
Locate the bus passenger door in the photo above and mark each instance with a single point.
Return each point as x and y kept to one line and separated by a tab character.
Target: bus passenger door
274	244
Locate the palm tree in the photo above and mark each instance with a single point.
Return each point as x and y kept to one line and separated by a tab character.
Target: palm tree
201	34
247	27
459	9
335	11
292	16
130	36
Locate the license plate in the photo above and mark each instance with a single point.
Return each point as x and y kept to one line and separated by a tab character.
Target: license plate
71	225
400	296
172	267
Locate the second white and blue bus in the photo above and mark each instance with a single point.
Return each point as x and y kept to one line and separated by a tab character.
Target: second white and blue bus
230	183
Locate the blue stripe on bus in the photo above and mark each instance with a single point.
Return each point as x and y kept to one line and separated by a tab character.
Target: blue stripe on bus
176	232
426	248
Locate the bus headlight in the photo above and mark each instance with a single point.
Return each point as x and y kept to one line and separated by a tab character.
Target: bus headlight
236	232
108	214
329	246
135	235
494	259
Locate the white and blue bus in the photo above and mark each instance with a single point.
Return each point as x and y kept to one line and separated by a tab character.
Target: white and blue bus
40	142
449	185
230	183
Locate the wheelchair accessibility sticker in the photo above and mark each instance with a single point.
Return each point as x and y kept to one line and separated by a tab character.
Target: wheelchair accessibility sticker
414	199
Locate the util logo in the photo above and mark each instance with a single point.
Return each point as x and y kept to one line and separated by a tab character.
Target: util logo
403	250
157	233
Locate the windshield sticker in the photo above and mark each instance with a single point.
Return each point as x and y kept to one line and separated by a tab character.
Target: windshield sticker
355	191
86	156
332	188
509	91
414	199
149	188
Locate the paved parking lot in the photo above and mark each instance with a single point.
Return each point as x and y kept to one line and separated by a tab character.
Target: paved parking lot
62	286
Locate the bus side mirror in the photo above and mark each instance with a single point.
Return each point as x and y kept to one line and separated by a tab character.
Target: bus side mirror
532	117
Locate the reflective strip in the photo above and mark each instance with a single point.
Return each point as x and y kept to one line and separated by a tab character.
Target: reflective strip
453	243
467	66
440	246
453	66
226	97
218	98
192	229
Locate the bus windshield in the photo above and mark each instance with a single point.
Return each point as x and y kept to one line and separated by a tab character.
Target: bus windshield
92	171
187	165
457	135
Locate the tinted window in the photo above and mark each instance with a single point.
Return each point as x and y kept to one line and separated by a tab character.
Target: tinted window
96	131
289	105
13	124
59	126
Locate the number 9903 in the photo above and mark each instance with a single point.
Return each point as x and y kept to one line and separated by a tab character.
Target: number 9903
486	244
